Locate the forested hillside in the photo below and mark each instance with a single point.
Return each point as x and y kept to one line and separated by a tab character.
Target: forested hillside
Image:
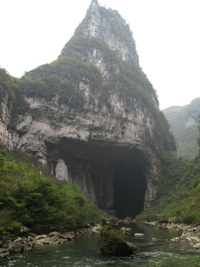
179	191
183	121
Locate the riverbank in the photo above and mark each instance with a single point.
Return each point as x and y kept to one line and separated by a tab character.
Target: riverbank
190	233
24	244
154	249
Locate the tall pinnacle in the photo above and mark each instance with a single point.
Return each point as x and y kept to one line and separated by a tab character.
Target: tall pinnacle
94	2
108	26
94	6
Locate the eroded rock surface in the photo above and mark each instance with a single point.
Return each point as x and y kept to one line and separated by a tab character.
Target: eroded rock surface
91	116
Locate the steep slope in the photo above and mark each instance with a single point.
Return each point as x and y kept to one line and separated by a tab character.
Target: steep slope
92	116
8	89
28	199
183	121
178	198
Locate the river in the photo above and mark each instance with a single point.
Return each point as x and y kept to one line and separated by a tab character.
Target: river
155	250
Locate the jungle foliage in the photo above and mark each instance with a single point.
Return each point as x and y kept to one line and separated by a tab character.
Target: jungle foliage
179	191
28	199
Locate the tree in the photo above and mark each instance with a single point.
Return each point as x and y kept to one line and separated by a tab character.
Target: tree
198	126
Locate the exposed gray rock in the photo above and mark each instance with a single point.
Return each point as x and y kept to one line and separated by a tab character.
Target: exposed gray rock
18	245
24	125
193	238
57	234
106	145
61	171
127	220
98	27
7	137
139	235
126	229
190	233
96	229
23	244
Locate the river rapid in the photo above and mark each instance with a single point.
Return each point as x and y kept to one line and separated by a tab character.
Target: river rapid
154	250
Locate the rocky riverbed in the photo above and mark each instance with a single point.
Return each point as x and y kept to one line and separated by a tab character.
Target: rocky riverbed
190	233
23	244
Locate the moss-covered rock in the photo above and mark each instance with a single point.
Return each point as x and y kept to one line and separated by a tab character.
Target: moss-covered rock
113	241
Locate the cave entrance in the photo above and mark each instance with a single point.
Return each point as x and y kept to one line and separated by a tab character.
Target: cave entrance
129	190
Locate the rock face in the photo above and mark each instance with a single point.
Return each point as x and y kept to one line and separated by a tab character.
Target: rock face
99	25
91	116
7	137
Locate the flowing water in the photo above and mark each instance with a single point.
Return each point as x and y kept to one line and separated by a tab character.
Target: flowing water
155	250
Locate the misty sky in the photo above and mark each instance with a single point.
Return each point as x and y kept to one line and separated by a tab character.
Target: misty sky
33	32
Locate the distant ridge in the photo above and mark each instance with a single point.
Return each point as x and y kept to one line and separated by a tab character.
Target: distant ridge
184	127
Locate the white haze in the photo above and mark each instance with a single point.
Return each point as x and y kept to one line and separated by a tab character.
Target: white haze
33	32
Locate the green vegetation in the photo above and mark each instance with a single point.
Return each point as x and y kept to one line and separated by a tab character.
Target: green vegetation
126	79
198	127
184	122
8	84
118	26
113	240
114	22
75	65
186	142
62	78
113	233
179	191
42	204
28	199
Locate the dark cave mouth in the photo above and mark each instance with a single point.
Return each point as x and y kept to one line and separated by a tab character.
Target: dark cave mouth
116	171
128	191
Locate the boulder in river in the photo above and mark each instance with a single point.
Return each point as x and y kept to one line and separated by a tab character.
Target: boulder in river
113	241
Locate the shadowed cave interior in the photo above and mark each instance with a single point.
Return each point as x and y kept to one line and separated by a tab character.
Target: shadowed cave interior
113	173
128	191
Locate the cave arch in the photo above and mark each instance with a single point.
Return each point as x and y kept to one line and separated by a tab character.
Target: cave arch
128	190
114	177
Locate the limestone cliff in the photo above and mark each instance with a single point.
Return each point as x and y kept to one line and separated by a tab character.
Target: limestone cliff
8	87
92	116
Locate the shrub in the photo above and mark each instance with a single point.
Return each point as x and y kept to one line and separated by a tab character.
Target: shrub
38	202
178	193
191	217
